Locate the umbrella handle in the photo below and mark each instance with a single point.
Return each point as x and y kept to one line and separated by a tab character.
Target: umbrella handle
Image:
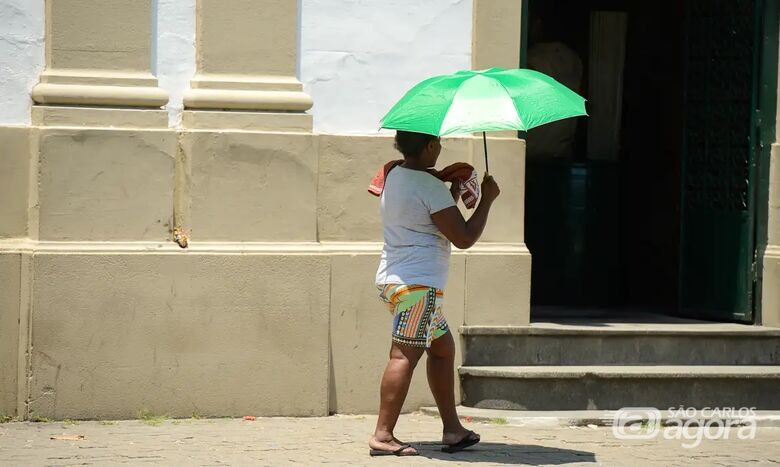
484	141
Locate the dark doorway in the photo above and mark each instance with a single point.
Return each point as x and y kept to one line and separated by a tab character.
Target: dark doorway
605	216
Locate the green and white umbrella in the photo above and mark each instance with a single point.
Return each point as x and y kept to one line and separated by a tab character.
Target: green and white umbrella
496	99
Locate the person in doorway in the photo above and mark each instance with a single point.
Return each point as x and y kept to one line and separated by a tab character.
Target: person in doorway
556	59
420	219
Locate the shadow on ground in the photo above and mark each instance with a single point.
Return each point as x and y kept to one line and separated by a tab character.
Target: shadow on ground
503	453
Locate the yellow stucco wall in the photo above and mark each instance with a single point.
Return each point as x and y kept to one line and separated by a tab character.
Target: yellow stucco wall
770	299
105	184
271	310
215	334
14	179
10	286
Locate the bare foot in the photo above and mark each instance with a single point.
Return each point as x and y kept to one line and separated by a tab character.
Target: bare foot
390	445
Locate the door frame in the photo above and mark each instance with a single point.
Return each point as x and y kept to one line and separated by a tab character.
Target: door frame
766	122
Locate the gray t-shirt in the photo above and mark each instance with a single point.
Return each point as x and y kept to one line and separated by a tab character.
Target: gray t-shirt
415	252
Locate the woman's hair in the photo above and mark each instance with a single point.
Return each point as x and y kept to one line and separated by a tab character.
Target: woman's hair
411	144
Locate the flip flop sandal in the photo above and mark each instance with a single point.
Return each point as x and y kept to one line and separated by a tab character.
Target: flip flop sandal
470	440
398	452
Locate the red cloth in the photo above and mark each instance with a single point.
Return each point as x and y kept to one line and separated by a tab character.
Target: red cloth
465	175
460	172
378	182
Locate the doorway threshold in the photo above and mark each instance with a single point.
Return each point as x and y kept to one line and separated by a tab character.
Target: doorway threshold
629	318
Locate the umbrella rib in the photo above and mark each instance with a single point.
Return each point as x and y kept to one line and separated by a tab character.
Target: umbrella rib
428	82
520	117
514	104
449	107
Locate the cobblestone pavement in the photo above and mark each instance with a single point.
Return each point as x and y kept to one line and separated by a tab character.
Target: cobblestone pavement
342	440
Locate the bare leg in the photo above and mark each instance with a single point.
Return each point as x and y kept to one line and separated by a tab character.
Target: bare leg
395	385
441	379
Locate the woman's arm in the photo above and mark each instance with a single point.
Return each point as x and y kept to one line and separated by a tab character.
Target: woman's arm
464	234
455	191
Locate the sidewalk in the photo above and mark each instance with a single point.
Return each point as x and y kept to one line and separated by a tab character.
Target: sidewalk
342	440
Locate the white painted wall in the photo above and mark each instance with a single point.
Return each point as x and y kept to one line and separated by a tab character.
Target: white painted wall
175	52
22	57
357	57
22	54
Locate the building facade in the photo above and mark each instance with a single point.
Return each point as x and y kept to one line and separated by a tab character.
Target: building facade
185	227
184	231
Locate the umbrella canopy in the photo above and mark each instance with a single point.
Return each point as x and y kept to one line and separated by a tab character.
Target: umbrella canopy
496	99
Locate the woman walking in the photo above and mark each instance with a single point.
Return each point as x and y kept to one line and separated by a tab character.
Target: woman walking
420	220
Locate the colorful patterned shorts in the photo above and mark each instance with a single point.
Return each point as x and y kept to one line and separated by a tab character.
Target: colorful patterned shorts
418	317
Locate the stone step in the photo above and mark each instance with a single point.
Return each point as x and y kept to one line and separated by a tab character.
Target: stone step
611	387
582	418
621	344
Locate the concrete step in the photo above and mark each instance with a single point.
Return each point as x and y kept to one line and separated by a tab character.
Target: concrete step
621	344
611	387
582	418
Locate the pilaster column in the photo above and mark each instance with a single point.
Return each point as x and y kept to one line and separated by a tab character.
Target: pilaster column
770	299
495	39
246	61
495	42
99	53
495	36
